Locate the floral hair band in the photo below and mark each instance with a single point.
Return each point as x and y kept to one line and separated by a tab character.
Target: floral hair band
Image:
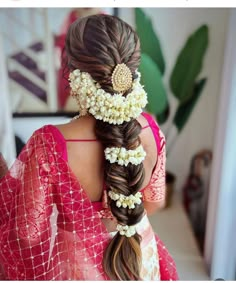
113	109
122	156
126	201
126	230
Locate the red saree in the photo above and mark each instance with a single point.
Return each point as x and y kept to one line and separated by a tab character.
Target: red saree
49	229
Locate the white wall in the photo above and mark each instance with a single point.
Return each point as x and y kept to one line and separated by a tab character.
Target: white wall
221	221
173	26
7	143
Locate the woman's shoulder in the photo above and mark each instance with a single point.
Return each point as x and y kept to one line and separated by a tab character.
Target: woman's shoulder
46	135
150	119
47	130
157	132
46	140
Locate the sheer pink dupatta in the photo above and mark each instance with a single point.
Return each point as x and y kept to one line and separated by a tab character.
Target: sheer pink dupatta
48	229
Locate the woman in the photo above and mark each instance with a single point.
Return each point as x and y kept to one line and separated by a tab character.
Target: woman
74	206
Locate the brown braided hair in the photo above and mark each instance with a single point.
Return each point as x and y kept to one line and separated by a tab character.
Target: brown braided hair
96	44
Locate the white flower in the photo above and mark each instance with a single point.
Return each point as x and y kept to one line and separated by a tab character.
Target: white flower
114	109
123	156
126	230
125	201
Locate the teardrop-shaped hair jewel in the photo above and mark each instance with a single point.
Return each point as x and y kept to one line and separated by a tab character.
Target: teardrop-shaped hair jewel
121	78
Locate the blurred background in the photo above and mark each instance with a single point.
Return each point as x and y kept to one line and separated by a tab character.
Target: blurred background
188	68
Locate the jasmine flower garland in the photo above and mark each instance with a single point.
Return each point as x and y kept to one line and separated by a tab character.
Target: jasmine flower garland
126	230
126	201
114	109
123	156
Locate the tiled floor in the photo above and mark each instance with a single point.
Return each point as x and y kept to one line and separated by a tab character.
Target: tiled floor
174	229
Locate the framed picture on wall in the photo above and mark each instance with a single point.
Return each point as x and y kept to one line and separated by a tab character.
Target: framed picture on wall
33	50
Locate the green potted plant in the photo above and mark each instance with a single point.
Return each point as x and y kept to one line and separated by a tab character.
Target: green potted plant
184	81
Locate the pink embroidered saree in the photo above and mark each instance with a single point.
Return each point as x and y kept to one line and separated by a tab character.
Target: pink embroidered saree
50	230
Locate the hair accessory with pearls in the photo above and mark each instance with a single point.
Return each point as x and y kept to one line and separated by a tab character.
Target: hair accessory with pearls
113	109
121	78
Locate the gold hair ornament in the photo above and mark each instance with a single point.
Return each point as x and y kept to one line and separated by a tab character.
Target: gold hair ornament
121	78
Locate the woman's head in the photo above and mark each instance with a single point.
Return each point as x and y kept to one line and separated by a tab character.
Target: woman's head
96	44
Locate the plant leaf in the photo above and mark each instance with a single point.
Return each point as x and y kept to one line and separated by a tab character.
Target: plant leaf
189	64
162	117
150	43
184	110
152	80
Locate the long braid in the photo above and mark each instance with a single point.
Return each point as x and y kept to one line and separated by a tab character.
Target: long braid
122	258
96	45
